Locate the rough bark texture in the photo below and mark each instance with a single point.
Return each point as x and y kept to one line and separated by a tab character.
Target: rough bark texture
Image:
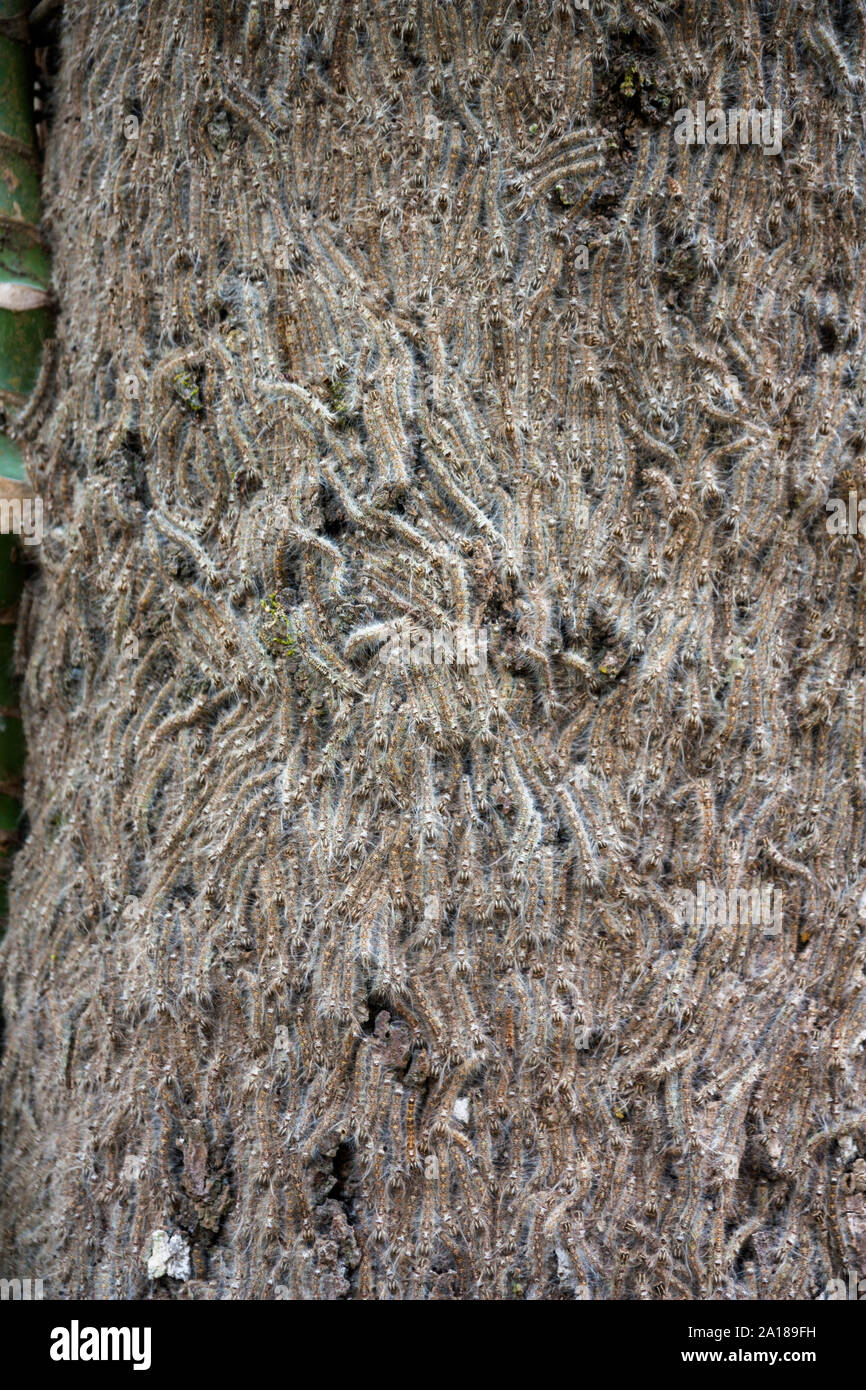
367	981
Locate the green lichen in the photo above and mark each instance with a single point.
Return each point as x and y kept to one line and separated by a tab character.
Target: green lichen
630	82
277	628
186	387
336	388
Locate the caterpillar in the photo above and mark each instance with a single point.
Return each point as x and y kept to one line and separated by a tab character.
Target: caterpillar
410	1130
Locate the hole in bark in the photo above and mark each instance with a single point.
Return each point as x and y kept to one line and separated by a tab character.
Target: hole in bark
342	1166
747	1252
375	1003
336	521
828	336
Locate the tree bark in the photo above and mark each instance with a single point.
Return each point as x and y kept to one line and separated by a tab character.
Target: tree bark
362	979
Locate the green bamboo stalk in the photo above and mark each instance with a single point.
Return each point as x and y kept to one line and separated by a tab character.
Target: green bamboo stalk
25	320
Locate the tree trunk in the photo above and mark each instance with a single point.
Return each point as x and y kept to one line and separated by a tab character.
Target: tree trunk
350	957
24	321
